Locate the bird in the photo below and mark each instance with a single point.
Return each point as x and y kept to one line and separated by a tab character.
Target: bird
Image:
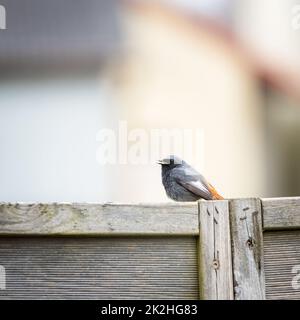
183	183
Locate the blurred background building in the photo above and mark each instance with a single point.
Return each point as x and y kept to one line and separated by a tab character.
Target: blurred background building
69	69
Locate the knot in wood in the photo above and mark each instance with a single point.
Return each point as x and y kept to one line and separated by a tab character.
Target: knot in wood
250	242
216	264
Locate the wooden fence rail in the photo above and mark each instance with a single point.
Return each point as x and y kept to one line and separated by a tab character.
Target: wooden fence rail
229	249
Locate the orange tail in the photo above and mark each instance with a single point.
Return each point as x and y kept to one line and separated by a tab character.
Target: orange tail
214	193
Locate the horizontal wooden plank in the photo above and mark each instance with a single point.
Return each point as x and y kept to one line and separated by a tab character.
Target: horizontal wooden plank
99	268
98	219
282	264
281	213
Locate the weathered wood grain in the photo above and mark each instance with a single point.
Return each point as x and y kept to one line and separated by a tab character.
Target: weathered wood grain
281	213
99	219
215	267
99	268
282	264
230	245
247	249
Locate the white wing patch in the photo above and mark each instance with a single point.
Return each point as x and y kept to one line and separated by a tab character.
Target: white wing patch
197	187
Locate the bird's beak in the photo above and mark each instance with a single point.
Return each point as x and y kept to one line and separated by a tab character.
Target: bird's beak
159	162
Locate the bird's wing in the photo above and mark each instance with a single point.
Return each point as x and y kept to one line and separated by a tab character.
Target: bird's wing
193	181
197	188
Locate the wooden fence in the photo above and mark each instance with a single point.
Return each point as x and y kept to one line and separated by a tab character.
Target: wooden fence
231	249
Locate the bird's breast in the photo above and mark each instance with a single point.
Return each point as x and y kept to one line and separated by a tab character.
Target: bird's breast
176	191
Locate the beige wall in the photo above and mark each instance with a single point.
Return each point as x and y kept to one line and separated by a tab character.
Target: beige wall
266	27
175	75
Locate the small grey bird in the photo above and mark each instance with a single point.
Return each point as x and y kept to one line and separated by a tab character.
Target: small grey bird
183	183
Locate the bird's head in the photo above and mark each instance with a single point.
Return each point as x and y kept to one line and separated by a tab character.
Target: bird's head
171	162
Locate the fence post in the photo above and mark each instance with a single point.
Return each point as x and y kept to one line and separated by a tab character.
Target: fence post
247	249
215	265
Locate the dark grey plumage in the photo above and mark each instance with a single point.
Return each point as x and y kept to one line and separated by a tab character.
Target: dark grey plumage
183	183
